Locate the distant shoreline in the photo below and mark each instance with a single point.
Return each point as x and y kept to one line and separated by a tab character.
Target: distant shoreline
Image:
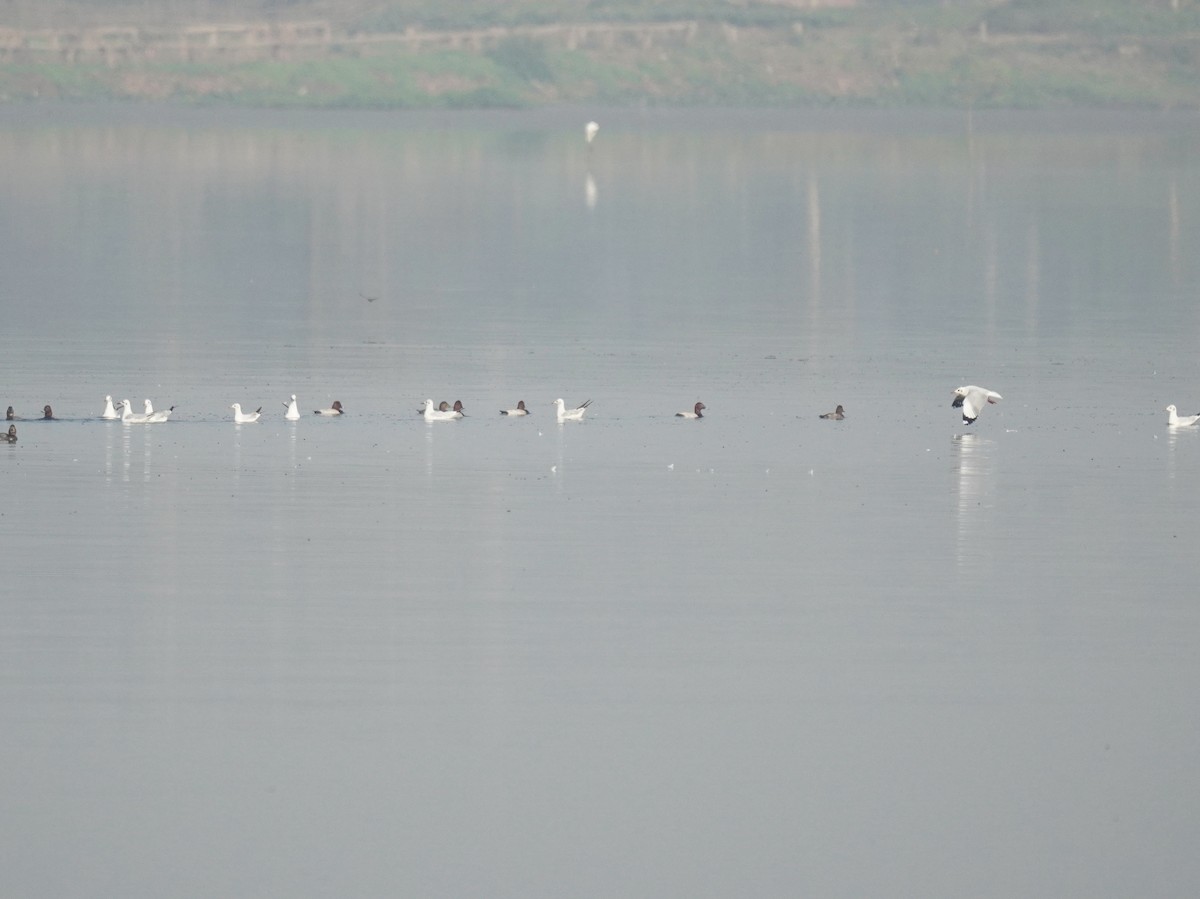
846	63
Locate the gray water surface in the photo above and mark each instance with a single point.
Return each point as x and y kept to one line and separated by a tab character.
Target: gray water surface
758	654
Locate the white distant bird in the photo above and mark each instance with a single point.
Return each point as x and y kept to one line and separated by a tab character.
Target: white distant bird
154	418
589	132
245	418
520	410
434	414
109	411
565	414
335	409
293	411
129	417
972	399
1174	420
697	412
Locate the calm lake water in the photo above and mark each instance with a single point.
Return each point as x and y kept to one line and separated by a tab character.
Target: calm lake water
759	654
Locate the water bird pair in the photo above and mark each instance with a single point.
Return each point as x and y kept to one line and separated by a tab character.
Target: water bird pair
47	415
443	412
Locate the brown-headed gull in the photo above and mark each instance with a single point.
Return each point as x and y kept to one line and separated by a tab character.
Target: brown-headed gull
245	418
972	399
335	409
836	415
520	410
697	412
293	410
1175	420
565	414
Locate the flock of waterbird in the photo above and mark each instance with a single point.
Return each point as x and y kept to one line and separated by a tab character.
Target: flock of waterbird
969	398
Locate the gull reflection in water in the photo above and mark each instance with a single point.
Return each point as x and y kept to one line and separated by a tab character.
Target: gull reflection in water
1179	434
589	191
976	485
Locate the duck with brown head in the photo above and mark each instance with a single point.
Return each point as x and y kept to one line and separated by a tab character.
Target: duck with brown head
697	412
836	415
47	414
11	436
520	410
11	416
335	409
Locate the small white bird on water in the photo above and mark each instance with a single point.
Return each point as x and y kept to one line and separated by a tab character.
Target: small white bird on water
1175	420
589	132
432	413
972	399
129	417
293	410
245	418
155	418
109	411
565	414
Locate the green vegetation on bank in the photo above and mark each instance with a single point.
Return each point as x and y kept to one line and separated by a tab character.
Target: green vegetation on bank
942	53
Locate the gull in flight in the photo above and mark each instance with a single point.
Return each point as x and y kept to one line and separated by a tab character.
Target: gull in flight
972	399
1176	420
576	414
245	418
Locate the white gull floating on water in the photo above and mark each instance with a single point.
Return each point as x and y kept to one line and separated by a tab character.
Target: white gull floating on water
565	414
972	399
1176	420
245	418
433	414
293	410
154	418
109	411
129	417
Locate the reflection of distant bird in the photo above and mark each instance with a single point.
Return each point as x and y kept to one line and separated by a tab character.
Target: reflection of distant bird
837	414
589	132
972	399
1175	420
697	412
367	298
